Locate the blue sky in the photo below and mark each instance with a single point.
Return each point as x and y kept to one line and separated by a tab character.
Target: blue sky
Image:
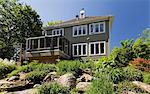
131	16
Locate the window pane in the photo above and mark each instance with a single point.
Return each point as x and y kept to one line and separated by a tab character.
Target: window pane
54	32
79	49
42	43
96	27
75	30
35	43
60	31
92	49
79	30
48	42
97	48
84	29
48	32
75	50
101	27
57	32
102	47
91	28
84	49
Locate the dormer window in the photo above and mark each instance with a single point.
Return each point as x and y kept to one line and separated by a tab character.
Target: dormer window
56	32
96	28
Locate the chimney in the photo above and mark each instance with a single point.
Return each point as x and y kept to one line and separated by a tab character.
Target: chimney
77	17
82	13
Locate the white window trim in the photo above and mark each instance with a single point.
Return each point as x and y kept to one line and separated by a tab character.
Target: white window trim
55	30
78	50
78	31
91	33
95	48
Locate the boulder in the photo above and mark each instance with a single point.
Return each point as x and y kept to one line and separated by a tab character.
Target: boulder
22	75
141	85
13	78
83	86
87	71
67	80
50	77
85	78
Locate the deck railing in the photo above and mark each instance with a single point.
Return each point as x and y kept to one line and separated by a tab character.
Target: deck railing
48	43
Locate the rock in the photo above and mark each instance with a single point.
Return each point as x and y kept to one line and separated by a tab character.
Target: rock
83	86
87	71
141	85
67	80
50	77
22	75
36	85
13	78
128	92
85	78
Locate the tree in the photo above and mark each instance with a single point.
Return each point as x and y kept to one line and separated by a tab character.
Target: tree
50	23
146	35
17	22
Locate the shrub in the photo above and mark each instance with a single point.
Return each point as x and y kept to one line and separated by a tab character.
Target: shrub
132	74
129	86
120	74
101	85
52	89
141	64
5	69
147	78
33	66
36	76
69	66
88	65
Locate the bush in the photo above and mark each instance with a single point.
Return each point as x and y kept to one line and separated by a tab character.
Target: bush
101	85
129	86
33	66
52	89
141	64
120	74
5	69
88	65
132	74
69	66
36	76
147	78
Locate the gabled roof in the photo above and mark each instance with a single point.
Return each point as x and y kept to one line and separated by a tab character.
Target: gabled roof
85	20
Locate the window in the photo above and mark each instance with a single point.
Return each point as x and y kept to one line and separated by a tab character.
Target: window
97	48
80	49
42	43
96	28
58	32
79	30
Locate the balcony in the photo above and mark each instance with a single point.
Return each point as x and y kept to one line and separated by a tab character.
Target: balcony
47	48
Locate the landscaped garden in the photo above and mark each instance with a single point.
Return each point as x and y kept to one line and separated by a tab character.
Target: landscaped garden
126	70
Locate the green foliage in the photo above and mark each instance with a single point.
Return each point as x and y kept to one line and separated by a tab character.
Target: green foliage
120	74
5	69
69	66
50	23
88	65
132	74
147	78
101	85
129	86
141	49
33	66
146	35
36	76
18	22
52	89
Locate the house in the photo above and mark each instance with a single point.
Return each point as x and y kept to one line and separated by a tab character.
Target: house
83	37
